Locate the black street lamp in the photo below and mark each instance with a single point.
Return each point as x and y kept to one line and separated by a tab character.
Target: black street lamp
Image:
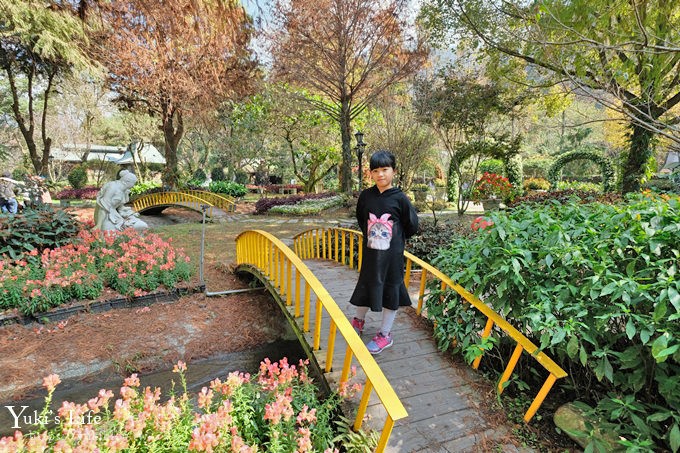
360	154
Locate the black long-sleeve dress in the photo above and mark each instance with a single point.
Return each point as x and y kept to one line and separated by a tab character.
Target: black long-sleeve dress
386	219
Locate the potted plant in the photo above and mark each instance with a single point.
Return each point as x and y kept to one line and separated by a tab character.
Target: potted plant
491	189
420	192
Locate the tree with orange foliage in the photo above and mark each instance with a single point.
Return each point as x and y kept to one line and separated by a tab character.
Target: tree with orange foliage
174	57
348	51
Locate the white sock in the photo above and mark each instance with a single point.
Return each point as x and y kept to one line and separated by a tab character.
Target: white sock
361	312
387	321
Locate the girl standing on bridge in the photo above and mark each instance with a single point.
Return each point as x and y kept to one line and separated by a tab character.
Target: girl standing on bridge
387	218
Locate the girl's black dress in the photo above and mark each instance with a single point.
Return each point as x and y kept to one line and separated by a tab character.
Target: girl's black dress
386	219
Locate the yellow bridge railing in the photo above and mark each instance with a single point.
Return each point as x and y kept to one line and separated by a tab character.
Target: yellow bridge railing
345	245
286	272
224	202
186	200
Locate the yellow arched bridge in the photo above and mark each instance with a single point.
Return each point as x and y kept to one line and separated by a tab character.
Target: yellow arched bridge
411	394
215	204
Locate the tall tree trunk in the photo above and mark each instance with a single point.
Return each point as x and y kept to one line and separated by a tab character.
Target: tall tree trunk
172	134
345	173
47	141
638	154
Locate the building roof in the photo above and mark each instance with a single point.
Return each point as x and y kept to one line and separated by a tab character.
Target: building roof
117	154
149	155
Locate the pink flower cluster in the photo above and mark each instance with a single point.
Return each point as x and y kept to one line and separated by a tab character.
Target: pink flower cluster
139	420
128	262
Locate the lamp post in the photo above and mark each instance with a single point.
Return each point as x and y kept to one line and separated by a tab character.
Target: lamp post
360	154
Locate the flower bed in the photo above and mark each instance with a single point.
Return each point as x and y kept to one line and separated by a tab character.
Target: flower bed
308	207
265	204
279	410
126	262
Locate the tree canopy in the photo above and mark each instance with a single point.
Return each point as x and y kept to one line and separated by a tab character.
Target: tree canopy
39	42
624	54
171	58
349	55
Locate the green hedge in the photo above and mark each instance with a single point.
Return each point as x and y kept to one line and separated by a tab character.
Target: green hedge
233	189
597	287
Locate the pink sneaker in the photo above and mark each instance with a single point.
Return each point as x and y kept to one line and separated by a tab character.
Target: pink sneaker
358	325
379	343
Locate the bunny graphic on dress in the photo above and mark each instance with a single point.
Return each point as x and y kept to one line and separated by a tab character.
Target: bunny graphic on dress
379	232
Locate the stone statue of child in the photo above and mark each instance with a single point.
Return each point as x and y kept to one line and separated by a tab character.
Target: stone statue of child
111	214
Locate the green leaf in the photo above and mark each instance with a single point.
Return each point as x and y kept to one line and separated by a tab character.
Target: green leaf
572	347
600	369
610	288
583	356
659	417
630	329
674	438
660	310
548	260
558	337
659	345
674	297
516	266
663	354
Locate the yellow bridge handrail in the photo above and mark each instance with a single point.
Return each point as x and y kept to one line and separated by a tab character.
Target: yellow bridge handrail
223	202
171	198
285	270
344	246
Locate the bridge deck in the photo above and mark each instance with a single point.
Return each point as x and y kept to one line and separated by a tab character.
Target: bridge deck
440	396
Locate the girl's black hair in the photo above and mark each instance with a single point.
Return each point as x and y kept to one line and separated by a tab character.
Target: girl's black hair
383	158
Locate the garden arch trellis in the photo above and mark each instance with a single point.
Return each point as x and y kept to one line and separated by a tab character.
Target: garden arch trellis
604	163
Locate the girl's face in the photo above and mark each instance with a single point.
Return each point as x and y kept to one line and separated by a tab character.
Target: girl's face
383	177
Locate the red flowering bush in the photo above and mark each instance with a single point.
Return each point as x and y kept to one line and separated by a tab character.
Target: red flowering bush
127	262
491	185
85	193
279	410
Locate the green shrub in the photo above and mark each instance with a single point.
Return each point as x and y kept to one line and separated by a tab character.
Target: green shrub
431	237
199	176
241	177
605	164
595	285
77	177
536	184
491	166
514	170
420	188
36	229
233	189
579	185
664	183
217	174
142	188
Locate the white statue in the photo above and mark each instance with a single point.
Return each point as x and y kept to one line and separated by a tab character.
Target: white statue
111	214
